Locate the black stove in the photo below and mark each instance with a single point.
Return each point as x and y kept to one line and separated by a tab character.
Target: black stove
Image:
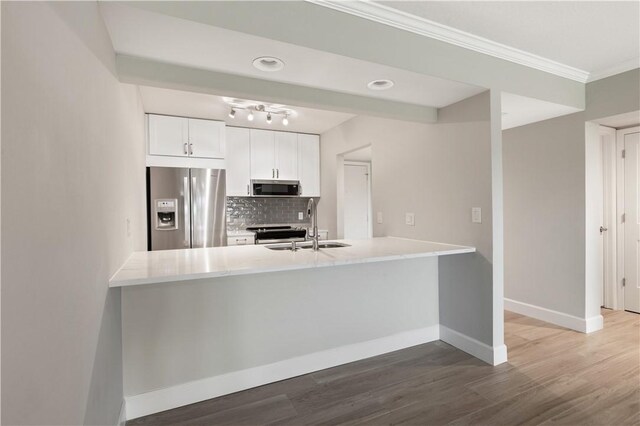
278	234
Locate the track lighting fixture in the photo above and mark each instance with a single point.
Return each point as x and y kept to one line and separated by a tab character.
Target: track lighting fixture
255	108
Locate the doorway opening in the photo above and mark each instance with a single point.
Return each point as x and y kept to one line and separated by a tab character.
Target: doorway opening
354	194
619	210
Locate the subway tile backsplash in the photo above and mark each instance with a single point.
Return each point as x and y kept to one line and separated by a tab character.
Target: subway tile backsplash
247	211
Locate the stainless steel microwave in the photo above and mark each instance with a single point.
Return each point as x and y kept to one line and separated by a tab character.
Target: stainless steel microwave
275	188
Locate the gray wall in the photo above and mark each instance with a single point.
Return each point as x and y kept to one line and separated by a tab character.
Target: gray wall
73	173
544	209
228	324
545	192
437	171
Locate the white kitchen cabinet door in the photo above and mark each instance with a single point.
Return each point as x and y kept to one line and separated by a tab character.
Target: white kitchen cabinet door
286	156
168	135
206	138
238	159
263	160
309	164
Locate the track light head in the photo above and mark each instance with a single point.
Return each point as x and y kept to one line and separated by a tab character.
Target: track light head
250	116
285	121
232	113
269	117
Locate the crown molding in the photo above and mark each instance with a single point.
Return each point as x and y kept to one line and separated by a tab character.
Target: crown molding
408	22
617	69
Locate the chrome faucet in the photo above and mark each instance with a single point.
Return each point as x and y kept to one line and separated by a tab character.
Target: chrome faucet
313	214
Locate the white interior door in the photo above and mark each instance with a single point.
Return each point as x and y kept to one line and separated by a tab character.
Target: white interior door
356	201
632	221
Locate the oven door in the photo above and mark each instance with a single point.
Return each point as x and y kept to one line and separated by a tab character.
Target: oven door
275	188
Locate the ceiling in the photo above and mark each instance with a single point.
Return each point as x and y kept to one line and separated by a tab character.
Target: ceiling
151	35
520	110
594	36
565	37
621	121
199	105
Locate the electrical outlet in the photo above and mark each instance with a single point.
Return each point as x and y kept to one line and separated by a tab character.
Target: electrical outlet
476	215
410	219
300	216
379	217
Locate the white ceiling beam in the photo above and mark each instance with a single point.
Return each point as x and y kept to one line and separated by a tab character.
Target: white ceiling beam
146	72
329	30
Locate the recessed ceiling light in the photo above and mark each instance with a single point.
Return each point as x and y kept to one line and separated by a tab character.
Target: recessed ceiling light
268	63
285	120
380	84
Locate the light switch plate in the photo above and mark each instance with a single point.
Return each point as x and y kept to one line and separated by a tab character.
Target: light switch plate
476	215
410	219
300	216
379	217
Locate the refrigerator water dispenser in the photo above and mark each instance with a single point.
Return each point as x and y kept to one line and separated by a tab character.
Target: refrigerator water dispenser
166	214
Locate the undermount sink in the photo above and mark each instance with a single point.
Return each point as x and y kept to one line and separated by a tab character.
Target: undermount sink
307	245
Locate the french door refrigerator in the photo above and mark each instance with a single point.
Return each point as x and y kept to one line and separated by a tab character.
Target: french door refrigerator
187	208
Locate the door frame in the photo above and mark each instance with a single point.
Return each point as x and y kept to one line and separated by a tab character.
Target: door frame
367	164
619	289
609	156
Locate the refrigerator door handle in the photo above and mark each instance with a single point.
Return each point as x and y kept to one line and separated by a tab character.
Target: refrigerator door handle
187	215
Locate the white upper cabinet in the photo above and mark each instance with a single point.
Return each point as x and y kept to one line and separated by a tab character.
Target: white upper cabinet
263	154
206	138
286	145
168	135
186	137
238	156
309	164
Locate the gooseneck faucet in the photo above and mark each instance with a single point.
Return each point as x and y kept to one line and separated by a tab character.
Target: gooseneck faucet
312	213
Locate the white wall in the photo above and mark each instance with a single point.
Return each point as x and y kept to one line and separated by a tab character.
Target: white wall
437	171
72	174
551	218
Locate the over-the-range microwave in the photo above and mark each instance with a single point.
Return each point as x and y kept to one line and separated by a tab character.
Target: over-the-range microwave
275	188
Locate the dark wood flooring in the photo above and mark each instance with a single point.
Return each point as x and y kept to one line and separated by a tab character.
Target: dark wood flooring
554	376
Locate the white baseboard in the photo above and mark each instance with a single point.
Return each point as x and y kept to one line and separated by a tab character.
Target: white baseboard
122	418
212	387
583	325
594	324
489	354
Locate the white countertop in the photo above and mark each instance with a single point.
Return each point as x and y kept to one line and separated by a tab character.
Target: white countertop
150	267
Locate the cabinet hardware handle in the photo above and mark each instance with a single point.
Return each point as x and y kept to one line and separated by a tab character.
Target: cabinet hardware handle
278	173
248	192
603	229
190	149
185	149
273	173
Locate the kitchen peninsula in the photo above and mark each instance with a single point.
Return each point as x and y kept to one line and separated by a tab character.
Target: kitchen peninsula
202	323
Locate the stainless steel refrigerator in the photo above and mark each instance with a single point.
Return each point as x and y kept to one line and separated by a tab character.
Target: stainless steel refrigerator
187	208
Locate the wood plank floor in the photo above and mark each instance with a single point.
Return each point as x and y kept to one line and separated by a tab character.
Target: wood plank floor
554	376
